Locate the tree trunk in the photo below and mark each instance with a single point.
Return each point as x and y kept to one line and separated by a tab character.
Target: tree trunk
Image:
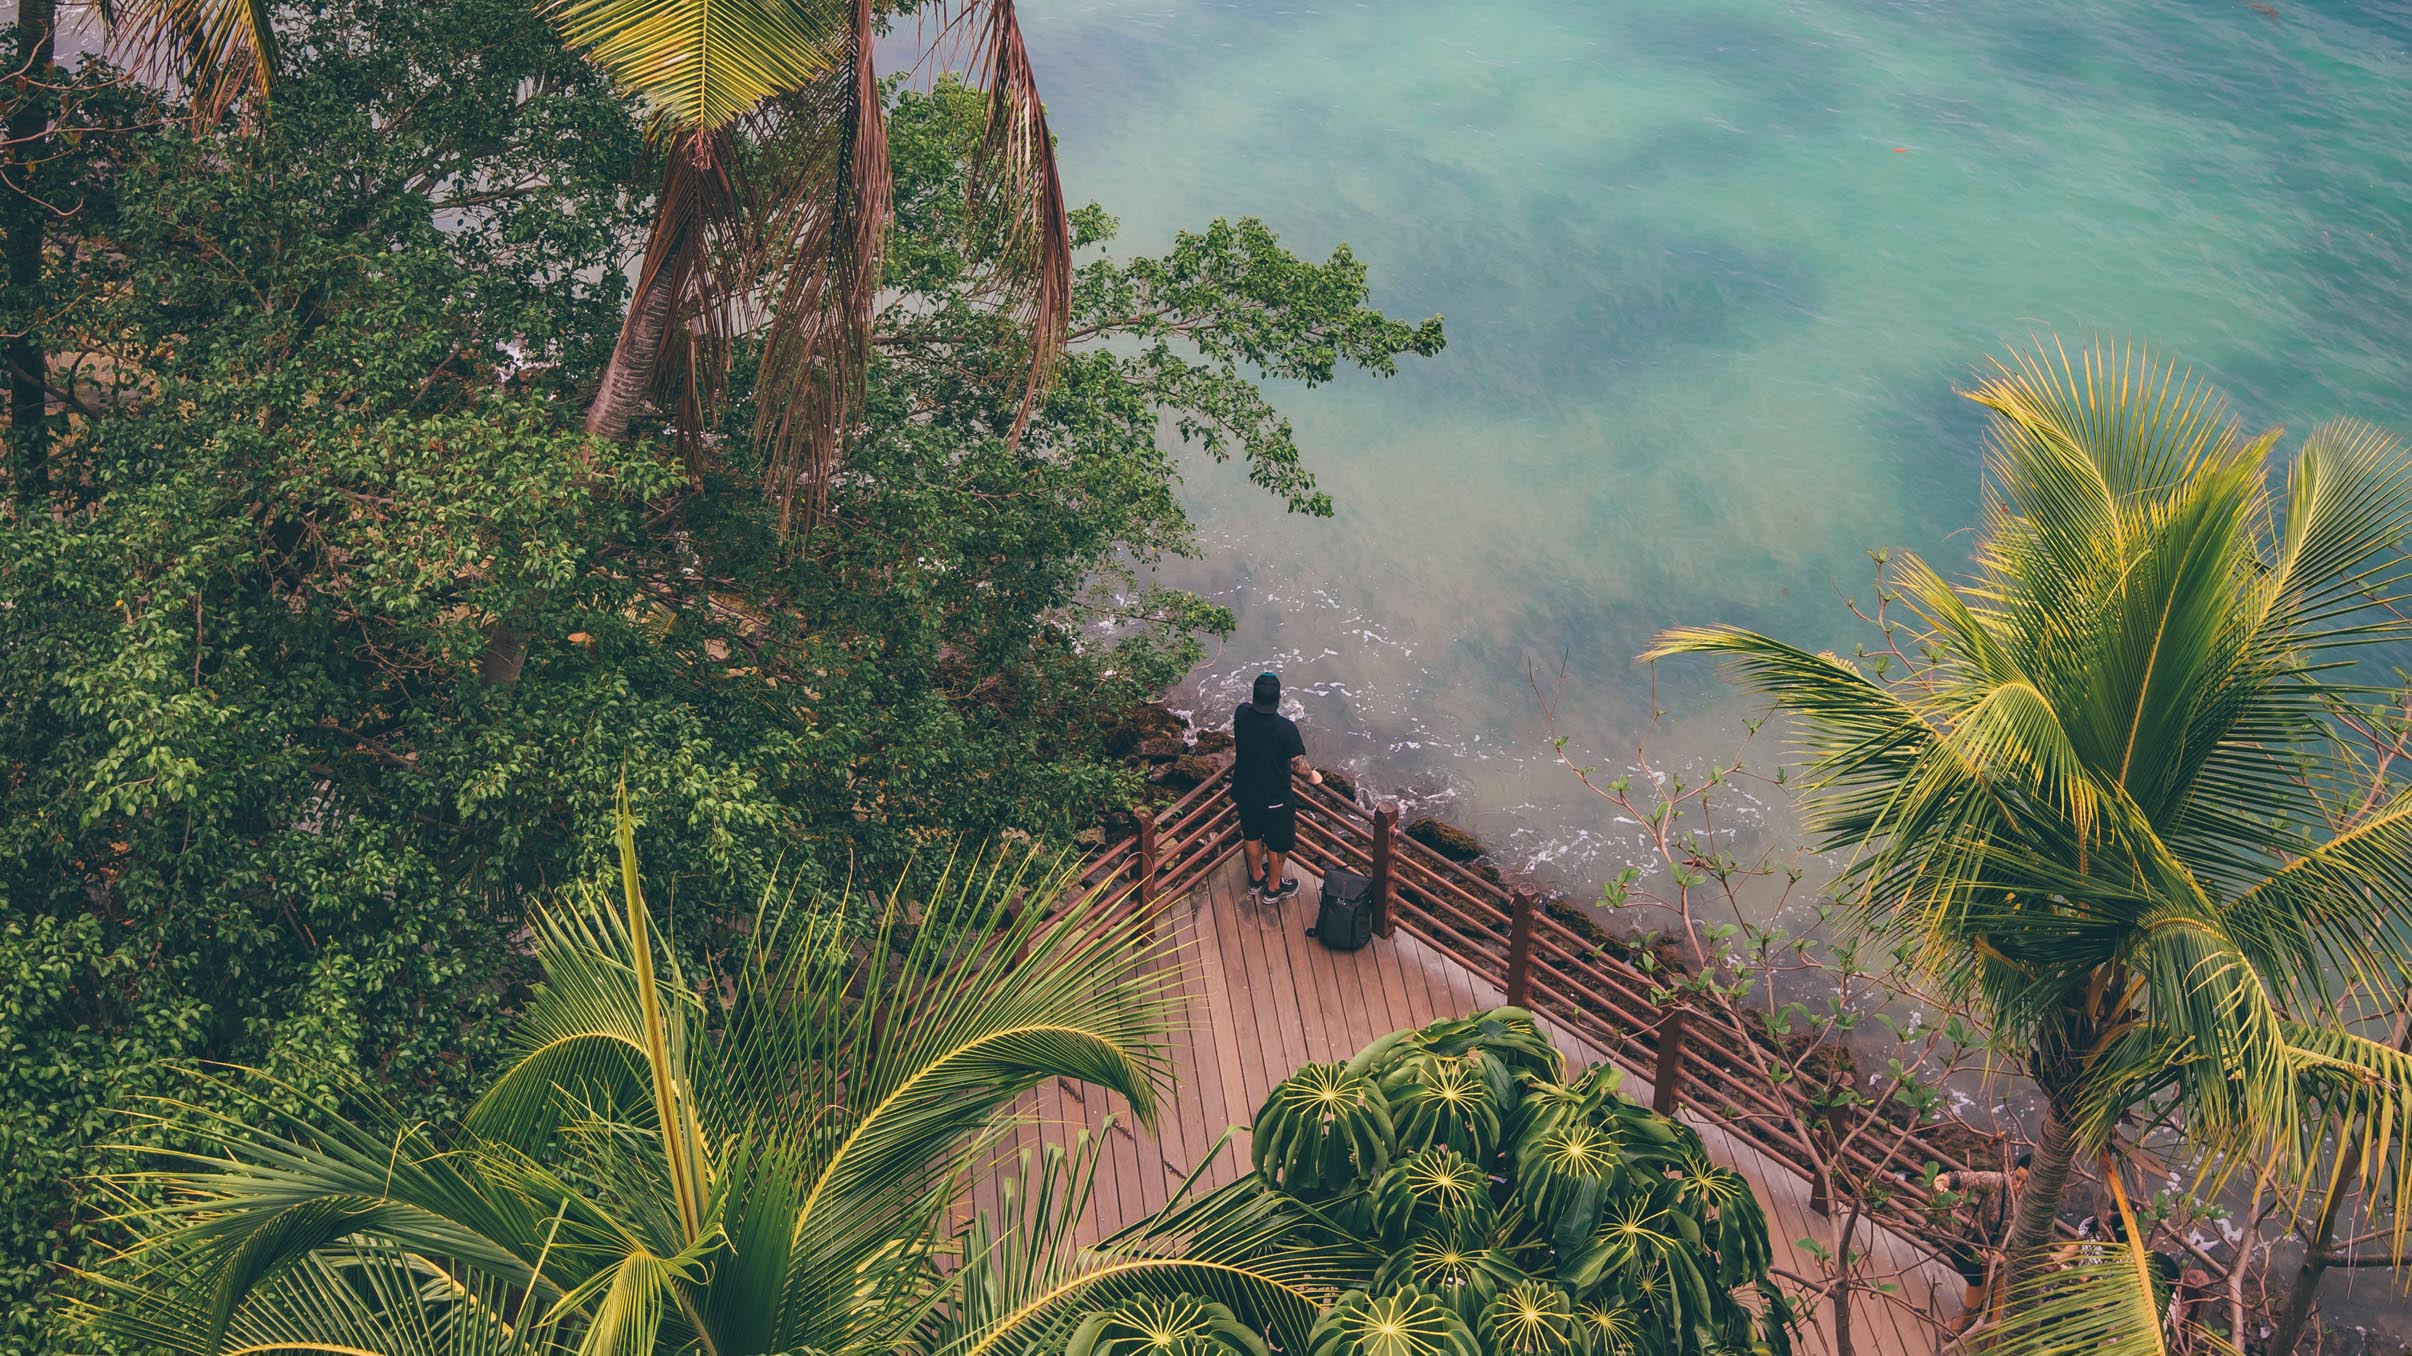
26	358
629	375
2029	1248
1842	1310
2287	1330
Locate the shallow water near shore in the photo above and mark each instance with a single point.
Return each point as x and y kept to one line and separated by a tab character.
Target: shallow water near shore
1712	270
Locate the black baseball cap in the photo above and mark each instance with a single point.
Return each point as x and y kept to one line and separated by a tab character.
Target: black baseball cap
1267	695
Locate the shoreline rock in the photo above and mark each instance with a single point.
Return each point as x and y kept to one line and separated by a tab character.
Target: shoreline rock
1151	731
1186	772
1447	839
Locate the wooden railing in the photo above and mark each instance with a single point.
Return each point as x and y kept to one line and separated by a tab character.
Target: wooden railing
1538	959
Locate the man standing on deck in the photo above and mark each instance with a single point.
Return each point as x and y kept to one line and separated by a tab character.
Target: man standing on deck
1267	750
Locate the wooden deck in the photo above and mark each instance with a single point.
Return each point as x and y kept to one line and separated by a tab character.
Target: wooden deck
1265	998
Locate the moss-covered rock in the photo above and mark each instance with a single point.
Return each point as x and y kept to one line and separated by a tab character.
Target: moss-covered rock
1446	838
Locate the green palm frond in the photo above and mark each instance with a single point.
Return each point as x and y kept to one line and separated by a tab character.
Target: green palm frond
973	1017
221	50
768	1168
361	1299
701	64
2113	801
2330	913
2106	1301
2369	1085
1027	1247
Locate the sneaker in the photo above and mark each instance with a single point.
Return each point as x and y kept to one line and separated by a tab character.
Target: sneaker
1287	888
1256	884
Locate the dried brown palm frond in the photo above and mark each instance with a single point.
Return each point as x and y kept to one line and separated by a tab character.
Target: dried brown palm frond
1017	191
828	232
690	294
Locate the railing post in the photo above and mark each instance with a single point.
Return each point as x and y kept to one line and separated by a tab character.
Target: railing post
1146	864
1520	950
1386	820
1666	1089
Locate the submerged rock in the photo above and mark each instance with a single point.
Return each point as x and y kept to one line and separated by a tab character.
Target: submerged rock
1446	839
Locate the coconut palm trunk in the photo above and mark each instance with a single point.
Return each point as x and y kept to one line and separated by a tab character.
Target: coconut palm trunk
2029	1247
628	376
2295	1315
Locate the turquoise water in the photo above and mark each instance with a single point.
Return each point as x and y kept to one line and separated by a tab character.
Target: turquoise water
1712	270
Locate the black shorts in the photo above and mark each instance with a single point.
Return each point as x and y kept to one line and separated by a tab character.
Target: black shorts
1967	1260
1276	826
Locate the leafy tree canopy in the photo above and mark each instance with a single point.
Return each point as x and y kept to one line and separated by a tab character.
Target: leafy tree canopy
325	372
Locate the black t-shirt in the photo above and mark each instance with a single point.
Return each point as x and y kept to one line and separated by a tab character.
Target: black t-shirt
1265	743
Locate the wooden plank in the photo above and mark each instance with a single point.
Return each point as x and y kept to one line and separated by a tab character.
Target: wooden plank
1231	1083
1260	1041
1279	1029
1321	1016
1391	983
1308	1041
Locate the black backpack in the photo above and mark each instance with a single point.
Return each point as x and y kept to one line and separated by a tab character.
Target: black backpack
1344	917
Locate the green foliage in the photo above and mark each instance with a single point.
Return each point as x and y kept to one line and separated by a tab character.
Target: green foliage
1531	1318
327	371
1455	1263
1404	1322
1433	1190
1181	1326
1590	1224
1445	1100
1322	1130
762	1161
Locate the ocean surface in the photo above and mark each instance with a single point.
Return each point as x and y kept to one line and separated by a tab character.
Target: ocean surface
1713	271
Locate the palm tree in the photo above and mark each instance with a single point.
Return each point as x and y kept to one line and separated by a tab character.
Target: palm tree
2113	798
723	83
763	1161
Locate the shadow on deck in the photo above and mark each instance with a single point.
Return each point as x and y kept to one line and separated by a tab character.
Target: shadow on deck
1265	998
